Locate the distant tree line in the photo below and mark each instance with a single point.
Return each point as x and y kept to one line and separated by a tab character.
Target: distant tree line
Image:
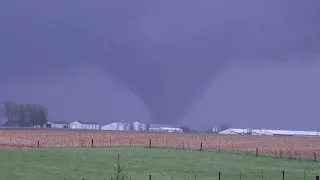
25	115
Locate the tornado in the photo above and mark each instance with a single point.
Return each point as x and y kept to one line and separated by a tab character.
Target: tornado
173	68
166	53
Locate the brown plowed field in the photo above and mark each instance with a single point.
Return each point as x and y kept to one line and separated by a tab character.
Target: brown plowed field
271	145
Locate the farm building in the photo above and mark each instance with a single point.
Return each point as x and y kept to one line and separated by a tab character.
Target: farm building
119	126
57	124
288	133
112	127
158	127
270	132
84	125
169	129
240	131
163	128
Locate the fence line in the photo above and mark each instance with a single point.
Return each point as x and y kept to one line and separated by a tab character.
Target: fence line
282	176
278	153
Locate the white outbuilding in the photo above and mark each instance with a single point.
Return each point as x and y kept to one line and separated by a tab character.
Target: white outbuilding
57	124
112	127
171	129
240	131
271	132
84	125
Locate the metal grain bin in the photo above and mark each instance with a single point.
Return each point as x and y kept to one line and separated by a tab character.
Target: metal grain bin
145	127
215	130
129	126
121	127
136	126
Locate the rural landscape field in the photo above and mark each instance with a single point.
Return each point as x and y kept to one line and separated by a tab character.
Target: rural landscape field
295	147
57	154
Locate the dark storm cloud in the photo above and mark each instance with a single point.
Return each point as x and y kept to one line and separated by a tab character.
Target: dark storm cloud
269	94
165	52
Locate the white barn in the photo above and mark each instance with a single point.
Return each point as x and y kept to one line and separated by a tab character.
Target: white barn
112	126
84	125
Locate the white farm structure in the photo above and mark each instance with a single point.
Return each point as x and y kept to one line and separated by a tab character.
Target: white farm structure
271	132
84	125
112	127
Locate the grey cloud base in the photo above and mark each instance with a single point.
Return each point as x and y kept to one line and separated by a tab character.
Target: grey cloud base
165	53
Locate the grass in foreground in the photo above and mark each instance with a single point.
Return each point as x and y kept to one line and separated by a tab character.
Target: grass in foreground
139	163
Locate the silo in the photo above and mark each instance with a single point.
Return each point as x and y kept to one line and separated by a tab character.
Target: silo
136	126
249	131
145	127
121	127
129	127
215	130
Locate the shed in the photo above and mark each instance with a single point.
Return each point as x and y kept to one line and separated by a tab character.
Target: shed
57	124
84	125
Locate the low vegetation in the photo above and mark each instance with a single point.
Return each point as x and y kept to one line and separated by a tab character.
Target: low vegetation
140	163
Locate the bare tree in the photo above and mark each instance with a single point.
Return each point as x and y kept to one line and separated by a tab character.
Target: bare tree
11	111
37	114
25	114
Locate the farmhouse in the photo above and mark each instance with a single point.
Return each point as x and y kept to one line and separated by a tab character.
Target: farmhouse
57	124
84	125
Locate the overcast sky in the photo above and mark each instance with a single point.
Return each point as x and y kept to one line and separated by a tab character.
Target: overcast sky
198	63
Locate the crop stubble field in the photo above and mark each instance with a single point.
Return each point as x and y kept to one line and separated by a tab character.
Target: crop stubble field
299	147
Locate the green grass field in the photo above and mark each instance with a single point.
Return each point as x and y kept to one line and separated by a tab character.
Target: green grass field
139	163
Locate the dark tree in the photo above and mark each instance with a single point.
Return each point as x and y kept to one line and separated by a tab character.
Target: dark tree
11	111
25	115
37	115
